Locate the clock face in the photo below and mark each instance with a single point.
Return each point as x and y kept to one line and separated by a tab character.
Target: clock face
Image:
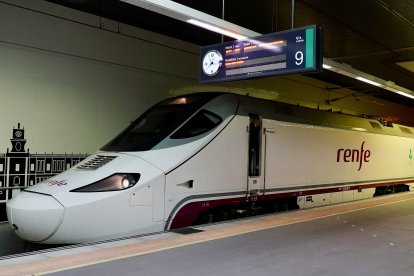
18	134
212	62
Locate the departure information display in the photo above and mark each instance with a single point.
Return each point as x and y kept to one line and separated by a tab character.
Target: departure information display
288	52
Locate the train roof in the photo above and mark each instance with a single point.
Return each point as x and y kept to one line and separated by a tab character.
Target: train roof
326	118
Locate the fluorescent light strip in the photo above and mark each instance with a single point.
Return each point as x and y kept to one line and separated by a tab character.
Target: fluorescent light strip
368	81
353	73
216	29
405	94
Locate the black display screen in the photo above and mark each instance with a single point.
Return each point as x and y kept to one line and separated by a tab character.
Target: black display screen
287	52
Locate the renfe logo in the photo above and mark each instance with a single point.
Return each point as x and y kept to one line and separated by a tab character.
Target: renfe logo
56	182
353	155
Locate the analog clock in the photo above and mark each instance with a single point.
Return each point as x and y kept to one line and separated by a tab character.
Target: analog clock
212	62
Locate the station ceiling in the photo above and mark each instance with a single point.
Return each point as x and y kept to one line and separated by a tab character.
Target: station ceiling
373	36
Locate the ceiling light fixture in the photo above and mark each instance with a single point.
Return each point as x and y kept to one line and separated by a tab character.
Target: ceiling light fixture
186	14
347	70
405	94
216	29
368	81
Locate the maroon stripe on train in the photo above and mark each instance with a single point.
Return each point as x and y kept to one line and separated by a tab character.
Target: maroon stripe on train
189	212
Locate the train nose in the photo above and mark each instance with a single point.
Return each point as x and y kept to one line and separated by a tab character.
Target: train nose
35	217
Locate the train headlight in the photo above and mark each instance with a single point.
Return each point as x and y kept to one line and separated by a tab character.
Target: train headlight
115	182
128	181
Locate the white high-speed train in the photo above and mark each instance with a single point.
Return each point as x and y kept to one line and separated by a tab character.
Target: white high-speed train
206	157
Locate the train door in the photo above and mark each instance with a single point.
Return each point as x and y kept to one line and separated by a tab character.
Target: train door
255	181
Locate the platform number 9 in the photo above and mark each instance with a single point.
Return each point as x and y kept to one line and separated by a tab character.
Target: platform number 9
299	57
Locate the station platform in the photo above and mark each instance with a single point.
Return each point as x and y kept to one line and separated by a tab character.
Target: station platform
366	237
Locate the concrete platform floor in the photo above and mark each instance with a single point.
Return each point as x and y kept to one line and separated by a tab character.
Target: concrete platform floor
9	242
370	237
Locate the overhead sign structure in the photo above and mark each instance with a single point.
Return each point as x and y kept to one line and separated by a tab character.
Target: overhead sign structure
288	52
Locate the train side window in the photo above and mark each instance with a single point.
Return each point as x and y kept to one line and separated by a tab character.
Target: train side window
255	131
200	123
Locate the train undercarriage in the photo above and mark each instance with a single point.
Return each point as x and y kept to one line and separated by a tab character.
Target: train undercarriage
262	207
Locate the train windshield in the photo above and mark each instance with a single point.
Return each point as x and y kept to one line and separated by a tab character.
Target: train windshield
158	123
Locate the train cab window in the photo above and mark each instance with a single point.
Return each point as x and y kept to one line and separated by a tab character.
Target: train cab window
158	123
200	123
